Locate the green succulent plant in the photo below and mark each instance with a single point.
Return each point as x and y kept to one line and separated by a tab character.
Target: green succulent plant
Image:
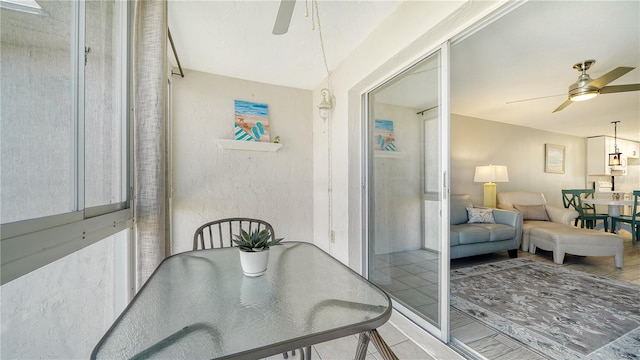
256	241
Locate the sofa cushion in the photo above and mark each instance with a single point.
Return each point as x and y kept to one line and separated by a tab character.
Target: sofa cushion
532	212
499	232
507	199
527	226
458	213
468	234
480	215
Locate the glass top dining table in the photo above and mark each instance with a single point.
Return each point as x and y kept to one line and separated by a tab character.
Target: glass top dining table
199	305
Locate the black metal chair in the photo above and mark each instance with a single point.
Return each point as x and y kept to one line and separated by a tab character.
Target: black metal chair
219	234
633	219
587	214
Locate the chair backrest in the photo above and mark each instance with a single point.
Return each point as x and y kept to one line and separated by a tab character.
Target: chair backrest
573	198
220	233
636	205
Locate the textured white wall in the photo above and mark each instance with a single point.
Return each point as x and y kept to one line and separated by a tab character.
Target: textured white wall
61	310
210	183
521	149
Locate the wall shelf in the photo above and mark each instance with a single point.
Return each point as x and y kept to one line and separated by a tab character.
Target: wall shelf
247	145
388	154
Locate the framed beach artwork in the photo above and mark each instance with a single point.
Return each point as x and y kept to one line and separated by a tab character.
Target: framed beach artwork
383	135
251	121
554	158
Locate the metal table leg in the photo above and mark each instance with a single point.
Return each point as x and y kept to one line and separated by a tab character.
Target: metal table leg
382	346
378	342
363	342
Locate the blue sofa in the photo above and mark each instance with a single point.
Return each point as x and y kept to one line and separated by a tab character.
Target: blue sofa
482	238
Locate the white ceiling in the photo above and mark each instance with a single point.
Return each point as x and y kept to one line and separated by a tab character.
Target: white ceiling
528	53
233	38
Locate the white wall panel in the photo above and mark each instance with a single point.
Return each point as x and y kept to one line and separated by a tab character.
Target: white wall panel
61	310
210	183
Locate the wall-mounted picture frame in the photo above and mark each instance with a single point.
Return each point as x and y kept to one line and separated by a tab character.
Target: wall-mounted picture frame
554	158
384	135
251	121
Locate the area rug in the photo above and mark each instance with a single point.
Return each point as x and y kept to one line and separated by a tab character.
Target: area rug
562	313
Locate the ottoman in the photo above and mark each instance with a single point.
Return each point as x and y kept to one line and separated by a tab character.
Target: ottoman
577	241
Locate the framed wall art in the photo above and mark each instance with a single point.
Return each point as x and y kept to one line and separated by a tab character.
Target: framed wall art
251	121
384	135
554	158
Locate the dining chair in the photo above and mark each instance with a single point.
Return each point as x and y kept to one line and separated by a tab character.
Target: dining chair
219	234
587	214
633	219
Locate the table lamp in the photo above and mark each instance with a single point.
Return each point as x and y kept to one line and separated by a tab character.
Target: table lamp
489	175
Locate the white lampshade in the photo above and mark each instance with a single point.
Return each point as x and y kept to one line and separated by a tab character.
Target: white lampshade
491	173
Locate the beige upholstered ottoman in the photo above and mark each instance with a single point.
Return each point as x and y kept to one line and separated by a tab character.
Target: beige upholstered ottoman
577	241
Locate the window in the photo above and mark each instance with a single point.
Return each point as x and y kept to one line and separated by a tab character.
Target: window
37	113
63	130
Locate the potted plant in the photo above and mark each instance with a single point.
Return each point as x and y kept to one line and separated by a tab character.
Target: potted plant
254	254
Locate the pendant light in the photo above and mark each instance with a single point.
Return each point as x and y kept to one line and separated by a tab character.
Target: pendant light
615	156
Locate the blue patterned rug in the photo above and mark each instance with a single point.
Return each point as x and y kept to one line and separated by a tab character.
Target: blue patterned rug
562	313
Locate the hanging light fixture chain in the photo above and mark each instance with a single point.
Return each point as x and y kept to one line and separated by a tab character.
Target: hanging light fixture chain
315	14
324	54
615	135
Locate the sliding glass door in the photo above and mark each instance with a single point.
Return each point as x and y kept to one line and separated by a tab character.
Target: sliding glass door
407	191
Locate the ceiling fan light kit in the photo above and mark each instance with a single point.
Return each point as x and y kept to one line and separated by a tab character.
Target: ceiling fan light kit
586	88
580	90
583	95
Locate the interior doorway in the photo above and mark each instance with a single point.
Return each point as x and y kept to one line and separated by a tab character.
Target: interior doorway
407	242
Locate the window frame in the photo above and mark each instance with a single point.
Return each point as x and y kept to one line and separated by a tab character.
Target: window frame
30	244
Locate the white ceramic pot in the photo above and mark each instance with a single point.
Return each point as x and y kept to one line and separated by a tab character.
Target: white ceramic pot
254	263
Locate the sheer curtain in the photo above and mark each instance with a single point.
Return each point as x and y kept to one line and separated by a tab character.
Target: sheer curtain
150	82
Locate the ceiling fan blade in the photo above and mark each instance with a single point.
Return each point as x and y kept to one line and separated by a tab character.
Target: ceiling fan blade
610	76
563	105
536	98
283	19
619	88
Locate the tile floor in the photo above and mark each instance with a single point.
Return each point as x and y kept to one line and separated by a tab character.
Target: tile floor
411	277
345	348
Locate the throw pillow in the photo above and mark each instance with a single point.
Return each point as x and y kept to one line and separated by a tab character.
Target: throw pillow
532	212
480	215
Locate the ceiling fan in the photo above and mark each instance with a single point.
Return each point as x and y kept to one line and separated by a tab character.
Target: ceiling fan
283	19
585	88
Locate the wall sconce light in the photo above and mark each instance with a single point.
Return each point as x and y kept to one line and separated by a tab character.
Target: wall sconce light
326	105
490	175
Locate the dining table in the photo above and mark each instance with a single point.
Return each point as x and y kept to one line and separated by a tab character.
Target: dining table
200	305
614	209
